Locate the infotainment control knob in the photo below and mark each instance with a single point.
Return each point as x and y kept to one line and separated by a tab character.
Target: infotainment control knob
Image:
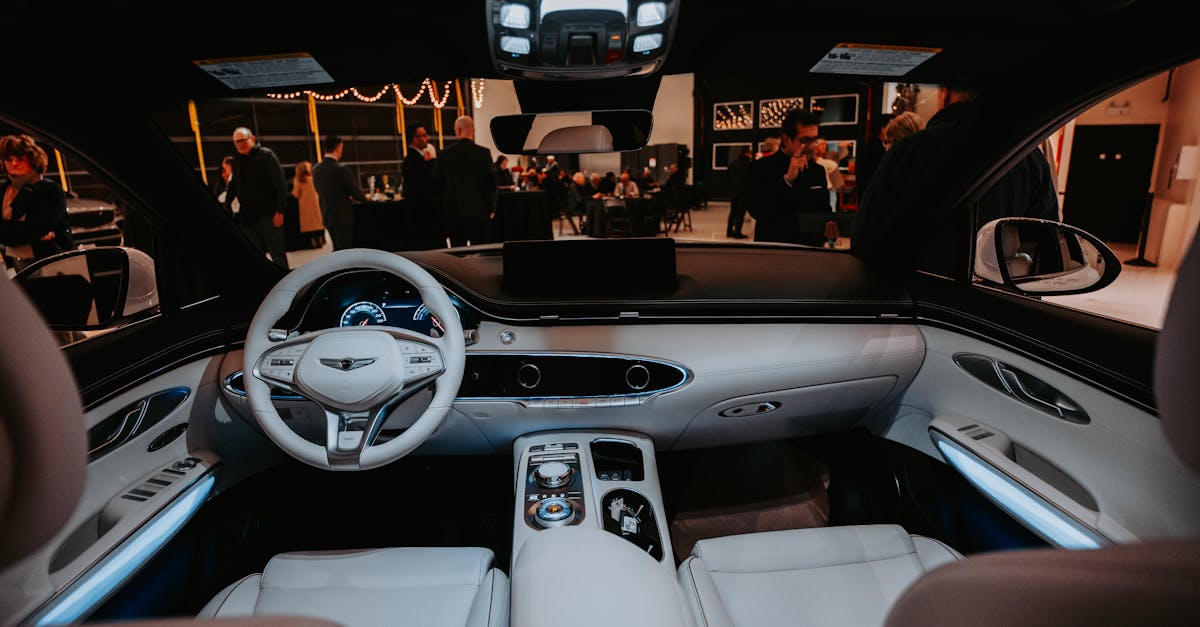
555	512
553	474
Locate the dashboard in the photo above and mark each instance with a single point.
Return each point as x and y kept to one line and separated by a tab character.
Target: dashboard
373	297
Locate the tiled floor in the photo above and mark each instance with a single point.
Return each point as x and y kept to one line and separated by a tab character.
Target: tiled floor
1139	294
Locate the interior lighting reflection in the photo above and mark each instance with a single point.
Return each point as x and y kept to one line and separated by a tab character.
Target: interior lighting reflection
514	16
95	585
514	45
651	14
1032	510
646	43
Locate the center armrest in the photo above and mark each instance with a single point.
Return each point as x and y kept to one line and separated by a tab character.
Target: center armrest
583	576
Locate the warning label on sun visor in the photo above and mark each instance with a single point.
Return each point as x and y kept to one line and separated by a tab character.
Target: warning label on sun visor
871	59
270	71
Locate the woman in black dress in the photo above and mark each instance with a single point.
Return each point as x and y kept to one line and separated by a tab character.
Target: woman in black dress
33	223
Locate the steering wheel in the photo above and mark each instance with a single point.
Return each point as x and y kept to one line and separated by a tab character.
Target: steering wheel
358	375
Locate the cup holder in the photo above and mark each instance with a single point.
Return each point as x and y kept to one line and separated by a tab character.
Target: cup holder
628	514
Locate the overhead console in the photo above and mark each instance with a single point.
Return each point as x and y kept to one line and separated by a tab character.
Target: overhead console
580	39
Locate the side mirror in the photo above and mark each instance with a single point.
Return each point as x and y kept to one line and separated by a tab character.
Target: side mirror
580	132
1043	257
92	288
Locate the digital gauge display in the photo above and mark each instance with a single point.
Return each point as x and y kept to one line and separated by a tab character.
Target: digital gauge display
363	313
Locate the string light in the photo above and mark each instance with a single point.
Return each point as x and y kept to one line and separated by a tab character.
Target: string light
427	85
477	87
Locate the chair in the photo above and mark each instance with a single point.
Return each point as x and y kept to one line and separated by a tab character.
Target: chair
616	218
677	209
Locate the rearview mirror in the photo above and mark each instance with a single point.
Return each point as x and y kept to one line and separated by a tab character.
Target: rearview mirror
92	288
1043	257
580	132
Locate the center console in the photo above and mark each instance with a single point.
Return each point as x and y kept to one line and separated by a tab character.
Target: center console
594	479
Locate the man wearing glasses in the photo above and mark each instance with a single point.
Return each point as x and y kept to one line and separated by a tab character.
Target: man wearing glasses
260	190
788	183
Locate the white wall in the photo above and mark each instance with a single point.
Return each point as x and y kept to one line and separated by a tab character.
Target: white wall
674	109
499	98
1175	212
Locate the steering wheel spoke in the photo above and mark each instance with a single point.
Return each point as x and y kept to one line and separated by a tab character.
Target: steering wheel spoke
277	366
357	375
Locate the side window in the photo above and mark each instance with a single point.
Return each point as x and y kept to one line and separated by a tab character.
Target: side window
55	209
1124	172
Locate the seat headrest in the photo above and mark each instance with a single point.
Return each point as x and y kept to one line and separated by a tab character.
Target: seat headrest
1177	362
43	440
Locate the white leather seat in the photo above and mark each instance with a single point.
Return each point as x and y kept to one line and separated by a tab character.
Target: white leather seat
826	576
425	586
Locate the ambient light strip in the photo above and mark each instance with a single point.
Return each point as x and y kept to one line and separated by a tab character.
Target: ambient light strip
95	585
1039	515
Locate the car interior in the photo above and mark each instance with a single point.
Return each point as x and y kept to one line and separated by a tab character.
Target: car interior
659	431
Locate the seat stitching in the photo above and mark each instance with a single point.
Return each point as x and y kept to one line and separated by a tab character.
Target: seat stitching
232	588
950	549
699	601
491	600
784	570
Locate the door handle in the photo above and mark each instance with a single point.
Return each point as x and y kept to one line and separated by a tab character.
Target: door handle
132	421
1023	386
1037	393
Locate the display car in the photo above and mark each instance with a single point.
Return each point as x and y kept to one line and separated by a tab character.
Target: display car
661	430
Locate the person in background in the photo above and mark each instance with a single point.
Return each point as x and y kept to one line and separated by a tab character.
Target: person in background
608	184
463	177
336	188
833	175
868	158
739	181
626	188
789	182
418	190
593	186
220	182
1025	190
504	178
900	127
33	222
260	190
646	181
305	193
770	146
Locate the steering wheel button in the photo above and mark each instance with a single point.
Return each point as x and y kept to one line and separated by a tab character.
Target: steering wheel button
348	440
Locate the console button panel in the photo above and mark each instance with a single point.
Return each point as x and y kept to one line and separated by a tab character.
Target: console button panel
554	487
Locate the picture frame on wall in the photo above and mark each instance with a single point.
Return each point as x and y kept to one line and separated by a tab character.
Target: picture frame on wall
835	109
772	111
733	116
724	153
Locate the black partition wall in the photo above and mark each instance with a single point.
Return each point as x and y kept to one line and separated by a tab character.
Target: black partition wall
733	112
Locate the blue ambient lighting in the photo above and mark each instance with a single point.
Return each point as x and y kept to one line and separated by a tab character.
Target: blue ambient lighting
96	584
1033	511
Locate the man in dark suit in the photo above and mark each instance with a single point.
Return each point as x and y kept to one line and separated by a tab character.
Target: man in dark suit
418	192
335	189
789	182
739	182
463	177
260	193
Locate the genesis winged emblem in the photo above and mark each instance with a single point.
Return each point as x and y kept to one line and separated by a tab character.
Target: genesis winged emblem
347	364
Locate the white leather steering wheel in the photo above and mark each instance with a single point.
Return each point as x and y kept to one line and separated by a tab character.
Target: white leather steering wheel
358	375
